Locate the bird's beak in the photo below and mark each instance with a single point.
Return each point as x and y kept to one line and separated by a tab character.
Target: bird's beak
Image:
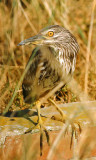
38	39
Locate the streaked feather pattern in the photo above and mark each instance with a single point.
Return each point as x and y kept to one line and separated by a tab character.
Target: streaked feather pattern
54	60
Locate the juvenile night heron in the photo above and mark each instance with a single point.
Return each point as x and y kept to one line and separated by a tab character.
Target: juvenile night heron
54	61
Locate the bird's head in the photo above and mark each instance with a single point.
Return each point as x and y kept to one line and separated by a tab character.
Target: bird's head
53	36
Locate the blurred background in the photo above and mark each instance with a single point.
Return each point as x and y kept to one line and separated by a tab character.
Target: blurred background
21	19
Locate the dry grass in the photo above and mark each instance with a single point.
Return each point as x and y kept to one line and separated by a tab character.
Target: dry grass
20	19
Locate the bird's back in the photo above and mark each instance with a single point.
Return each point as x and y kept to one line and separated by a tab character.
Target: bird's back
45	73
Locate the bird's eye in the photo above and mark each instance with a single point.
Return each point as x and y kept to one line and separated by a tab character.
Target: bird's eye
50	33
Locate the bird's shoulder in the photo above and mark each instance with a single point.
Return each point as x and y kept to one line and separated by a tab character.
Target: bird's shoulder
44	66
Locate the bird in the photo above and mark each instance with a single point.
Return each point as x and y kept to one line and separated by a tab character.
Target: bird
54	61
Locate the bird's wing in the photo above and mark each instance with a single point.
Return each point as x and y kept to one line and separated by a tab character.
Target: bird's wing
43	75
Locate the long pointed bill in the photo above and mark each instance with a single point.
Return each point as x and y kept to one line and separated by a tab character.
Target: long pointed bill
38	39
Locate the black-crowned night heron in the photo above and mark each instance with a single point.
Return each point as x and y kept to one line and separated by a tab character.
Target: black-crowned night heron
54	61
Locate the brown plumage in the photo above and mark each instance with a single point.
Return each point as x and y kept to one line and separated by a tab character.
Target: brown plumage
54	60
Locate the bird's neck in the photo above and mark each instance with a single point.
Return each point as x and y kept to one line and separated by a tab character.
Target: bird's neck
59	54
63	57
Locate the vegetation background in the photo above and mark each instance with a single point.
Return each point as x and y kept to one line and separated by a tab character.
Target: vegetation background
21	19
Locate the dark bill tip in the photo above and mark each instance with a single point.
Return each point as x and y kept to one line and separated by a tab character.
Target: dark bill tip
25	42
20	44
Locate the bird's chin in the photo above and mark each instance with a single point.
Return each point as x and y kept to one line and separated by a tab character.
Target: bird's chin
48	43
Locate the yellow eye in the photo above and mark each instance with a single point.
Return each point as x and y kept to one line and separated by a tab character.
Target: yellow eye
50	33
